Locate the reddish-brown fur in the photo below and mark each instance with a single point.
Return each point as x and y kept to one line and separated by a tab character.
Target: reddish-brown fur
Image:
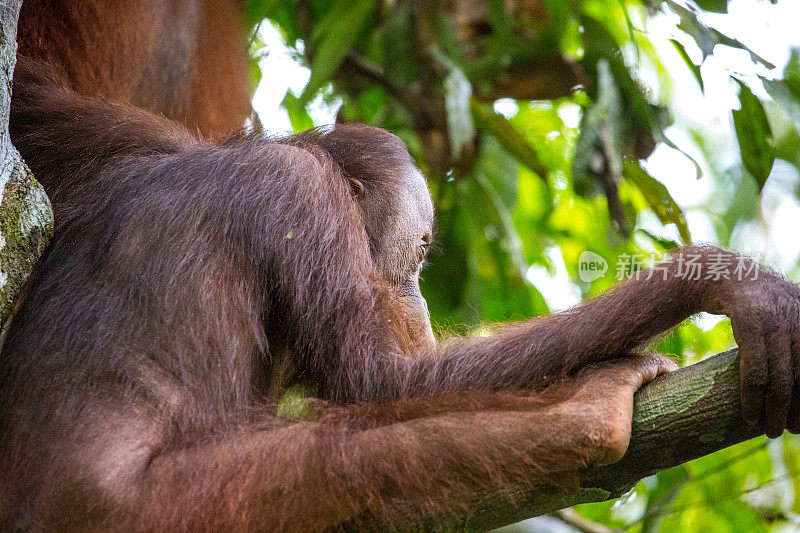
185	59
188	283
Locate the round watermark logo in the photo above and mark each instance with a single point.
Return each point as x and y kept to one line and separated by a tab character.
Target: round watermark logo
591	266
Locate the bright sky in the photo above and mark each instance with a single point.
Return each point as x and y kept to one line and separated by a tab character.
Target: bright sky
769	30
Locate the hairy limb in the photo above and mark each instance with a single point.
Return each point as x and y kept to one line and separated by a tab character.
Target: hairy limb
309	476
764	308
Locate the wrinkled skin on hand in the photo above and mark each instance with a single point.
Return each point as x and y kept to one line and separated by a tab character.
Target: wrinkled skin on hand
604	394
765	317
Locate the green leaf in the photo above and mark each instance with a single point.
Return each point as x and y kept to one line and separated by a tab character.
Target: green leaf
604	117
668	486
257	10
293	404
662	244
446	278
707	38
639	116
498	17
658	198
783	95
334	36
497	287
512	140
638	113
755	135
398	44
255	73
512	242
791	73
717	6
298	115
786	134
457	95
786	92
631	28
689	63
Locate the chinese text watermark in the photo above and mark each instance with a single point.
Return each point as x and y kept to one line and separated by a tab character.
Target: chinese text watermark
690	266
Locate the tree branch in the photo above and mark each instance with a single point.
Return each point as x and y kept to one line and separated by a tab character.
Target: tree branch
684	415
678	417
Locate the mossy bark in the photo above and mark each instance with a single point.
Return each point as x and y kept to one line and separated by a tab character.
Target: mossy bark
26	217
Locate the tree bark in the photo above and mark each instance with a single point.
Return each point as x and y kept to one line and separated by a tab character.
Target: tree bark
26	217
678	417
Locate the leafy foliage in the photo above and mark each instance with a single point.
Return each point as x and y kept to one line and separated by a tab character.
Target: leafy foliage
755	135
538	123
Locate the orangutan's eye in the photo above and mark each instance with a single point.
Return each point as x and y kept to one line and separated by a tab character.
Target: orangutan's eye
422	247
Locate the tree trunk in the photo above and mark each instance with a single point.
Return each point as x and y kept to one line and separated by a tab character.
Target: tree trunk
26	217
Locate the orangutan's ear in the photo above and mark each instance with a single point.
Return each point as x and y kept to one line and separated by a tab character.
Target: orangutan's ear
357	186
